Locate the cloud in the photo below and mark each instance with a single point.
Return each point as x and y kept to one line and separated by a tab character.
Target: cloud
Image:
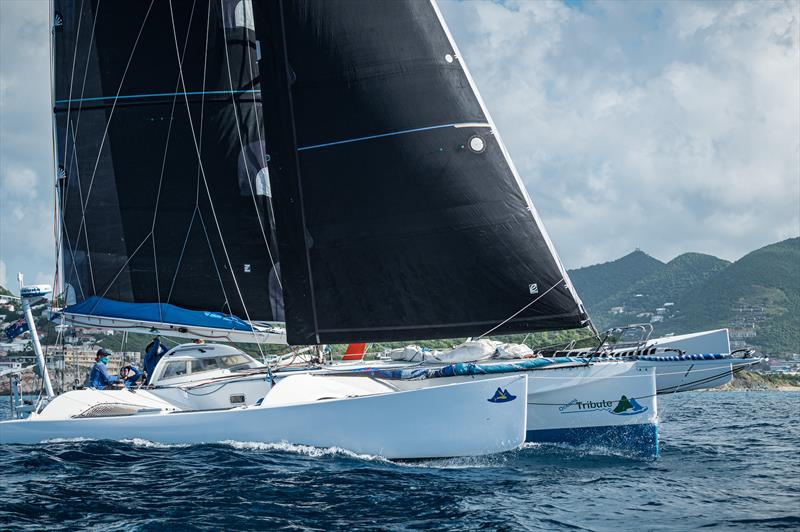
668	126
26	185
20	182
665	126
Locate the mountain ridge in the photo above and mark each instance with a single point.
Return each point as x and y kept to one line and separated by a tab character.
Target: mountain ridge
757	297
599	281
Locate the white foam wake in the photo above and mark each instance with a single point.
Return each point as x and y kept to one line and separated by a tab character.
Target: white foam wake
307	450
141	442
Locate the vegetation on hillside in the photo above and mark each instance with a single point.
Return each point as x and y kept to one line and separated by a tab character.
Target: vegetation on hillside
753	380
760	293
765	281
668	283
601	281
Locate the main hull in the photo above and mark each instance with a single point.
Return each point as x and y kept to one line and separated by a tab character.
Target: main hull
609	404
444	421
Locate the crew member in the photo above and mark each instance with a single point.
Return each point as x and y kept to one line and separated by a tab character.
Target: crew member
100	378
153	353
129	375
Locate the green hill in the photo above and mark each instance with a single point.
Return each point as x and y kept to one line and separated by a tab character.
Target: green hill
602	281
668	284
759	292
5	291
757	297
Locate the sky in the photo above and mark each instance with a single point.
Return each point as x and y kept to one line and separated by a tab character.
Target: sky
665	126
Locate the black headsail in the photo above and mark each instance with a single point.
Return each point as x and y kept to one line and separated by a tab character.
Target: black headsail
400	215
164	190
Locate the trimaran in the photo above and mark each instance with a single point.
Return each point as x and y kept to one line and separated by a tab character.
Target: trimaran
225	167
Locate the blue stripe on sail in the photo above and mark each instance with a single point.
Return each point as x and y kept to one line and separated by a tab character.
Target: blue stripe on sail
155	95
640	440
382	135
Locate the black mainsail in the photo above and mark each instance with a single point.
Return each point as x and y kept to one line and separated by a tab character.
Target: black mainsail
164	192
400	215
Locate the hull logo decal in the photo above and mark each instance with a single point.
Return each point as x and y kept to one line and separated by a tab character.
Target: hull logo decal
501	396
625	406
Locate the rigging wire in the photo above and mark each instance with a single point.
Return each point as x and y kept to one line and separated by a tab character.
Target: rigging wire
197	212
164	165
105	132
74	128
517	313
239	132
205	181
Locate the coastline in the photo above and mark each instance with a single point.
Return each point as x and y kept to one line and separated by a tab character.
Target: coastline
751	381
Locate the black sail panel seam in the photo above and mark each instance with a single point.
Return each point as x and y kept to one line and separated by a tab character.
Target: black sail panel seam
293	135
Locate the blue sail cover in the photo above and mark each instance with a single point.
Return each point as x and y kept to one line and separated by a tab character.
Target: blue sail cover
156	313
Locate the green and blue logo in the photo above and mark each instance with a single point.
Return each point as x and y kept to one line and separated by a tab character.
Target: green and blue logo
628	407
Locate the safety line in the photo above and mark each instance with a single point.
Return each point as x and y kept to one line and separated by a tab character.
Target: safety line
392	134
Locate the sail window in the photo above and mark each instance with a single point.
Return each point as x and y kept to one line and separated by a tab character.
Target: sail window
477	144
448	58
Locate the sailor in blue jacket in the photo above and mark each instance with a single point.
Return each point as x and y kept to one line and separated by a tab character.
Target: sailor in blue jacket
100	378
129	375
153	353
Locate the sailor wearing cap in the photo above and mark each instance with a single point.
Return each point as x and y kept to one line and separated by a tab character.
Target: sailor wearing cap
100	378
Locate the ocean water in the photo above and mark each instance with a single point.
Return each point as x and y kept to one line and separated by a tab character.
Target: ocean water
729	460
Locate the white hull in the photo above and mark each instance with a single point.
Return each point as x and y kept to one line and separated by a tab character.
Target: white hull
691	371
703	362
686	376
715	341
550	391
444	421
577	405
